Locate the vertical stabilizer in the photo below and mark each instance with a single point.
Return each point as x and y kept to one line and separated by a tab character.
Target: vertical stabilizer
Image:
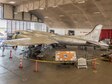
94	35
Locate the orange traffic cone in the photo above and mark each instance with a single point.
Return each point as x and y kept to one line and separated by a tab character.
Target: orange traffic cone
10	54
111	59
21	63
36	66
94	64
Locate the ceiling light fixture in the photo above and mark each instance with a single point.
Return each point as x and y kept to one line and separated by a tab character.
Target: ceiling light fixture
46	17
55	6
15	13
61	15
12	2
41	8
97	12
80	1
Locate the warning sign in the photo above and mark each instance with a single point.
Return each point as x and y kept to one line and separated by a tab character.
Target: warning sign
65	56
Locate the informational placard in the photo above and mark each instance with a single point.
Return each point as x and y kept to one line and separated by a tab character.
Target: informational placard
65	56
82	63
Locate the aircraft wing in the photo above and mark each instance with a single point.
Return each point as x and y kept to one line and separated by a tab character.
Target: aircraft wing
30	41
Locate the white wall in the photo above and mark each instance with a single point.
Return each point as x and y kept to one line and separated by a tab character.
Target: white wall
1	11
40	27
3	26
3	23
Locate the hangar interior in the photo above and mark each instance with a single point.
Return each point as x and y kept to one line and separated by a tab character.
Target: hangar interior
55	41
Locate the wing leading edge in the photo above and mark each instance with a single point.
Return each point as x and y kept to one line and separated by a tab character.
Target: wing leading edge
30	41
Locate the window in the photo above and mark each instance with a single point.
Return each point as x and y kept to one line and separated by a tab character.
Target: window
71	32
3	24
9	26
21	25
28	26
52	31
44	27
33	26
1	11
13	26
24	25
17	25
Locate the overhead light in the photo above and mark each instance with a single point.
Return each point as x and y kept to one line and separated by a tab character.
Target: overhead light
61	15
97	12
41	8
81	1
12	2
55	6
46	17
15	13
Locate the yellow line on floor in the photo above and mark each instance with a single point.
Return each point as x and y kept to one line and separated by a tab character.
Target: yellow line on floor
44	61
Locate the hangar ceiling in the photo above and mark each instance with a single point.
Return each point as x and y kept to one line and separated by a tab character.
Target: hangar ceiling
74	14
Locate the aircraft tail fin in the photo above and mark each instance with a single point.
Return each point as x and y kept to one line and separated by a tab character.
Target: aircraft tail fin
94	35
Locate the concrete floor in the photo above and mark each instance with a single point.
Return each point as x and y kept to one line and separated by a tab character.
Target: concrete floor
53	73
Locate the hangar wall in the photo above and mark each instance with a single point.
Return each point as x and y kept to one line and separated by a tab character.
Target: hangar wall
9	13
40	27
106	33
22	21
3	25
14	25
14	21
1	11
